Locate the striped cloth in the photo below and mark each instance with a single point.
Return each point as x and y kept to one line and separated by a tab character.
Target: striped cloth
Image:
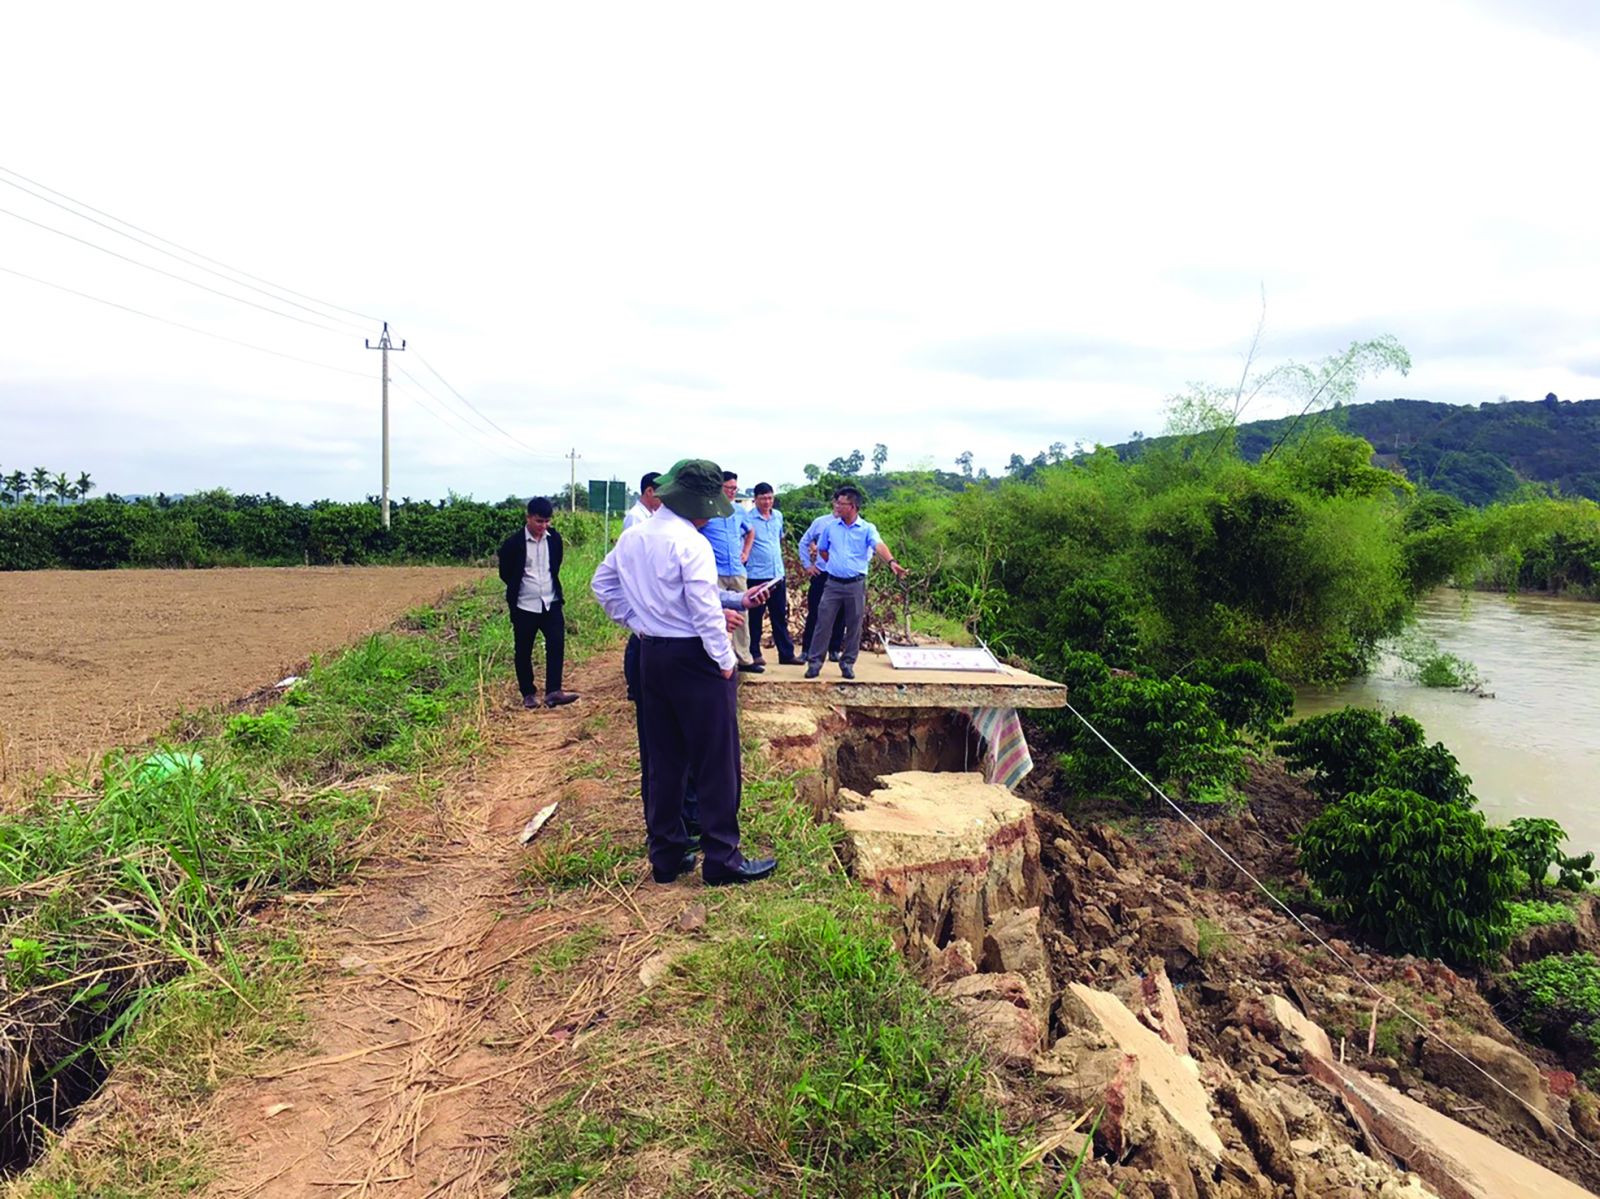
1005	749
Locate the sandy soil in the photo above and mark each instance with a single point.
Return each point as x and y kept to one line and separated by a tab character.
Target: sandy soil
94	659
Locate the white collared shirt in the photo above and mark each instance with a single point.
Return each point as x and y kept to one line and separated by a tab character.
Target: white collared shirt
538	591
661	581
635	514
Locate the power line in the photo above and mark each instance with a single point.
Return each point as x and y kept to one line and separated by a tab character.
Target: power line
179	257
288	316
418	402
196	253
474	407
72	291
1310	932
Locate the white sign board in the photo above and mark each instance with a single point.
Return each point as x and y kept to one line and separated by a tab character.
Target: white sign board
941	657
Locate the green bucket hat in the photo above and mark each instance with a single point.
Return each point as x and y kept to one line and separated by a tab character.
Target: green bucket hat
692	488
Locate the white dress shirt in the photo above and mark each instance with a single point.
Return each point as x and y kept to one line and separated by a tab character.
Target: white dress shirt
661	581
537	592
635	514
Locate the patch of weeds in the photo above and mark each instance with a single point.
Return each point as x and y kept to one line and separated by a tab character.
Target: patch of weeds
270	730
1211	938
569	1150
562	955
1390	1038
567	859
594	726
594	768
1532	913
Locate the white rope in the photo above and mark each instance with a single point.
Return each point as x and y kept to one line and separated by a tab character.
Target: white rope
1539	1117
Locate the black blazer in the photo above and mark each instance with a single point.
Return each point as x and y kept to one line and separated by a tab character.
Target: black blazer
514	560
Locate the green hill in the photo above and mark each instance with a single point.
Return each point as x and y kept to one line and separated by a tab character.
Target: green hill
1478	454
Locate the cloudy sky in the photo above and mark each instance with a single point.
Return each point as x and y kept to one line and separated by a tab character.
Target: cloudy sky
764	234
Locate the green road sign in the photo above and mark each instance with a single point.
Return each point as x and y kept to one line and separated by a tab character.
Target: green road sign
597	496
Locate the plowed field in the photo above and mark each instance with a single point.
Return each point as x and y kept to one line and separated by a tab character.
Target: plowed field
94	659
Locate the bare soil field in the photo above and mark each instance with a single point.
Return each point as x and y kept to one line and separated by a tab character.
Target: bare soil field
94	659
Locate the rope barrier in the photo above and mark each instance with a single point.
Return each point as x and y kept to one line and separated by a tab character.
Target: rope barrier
1539	1117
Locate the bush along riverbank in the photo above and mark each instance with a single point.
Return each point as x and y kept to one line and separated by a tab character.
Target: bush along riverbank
137	902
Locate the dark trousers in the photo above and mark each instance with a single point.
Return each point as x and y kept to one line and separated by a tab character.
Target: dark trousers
843	600
690	723
813	602
777	606
630	674
524	625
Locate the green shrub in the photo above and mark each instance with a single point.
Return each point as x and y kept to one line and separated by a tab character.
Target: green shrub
1534	841
1347	750
1416	875
1248	695
1557	999
270	730
1429	770
1167	728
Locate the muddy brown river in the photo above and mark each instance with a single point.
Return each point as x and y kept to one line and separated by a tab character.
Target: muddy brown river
1534	748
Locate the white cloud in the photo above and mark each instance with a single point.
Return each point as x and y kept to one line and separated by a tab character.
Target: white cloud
772	235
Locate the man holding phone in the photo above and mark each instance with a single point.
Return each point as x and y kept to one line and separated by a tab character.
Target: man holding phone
765	571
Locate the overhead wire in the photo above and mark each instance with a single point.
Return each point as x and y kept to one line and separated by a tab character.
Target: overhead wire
1310	932
288	316
282	299
196	253
460	428
474	407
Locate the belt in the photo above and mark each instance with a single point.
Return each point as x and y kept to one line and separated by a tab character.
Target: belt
842	579
668	640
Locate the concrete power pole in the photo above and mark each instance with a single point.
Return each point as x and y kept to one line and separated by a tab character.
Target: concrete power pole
572	493
385	345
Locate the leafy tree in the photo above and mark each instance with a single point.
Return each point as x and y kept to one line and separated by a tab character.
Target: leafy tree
1535	842
1247	694
812	472
964	461
880	455
1416	875
84	485
40	480
1431	771
1016	466
850	464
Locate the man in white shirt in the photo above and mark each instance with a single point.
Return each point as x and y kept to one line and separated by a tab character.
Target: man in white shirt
530	567
661	582
647	505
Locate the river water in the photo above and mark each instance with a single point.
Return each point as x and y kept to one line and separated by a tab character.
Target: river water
1534	748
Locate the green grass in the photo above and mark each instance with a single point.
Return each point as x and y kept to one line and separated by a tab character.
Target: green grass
565	859
1533	913
794	1055
562	955
1211	938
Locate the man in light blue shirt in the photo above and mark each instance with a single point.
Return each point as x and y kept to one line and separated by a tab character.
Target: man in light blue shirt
731	537
819	580
846	544
765	565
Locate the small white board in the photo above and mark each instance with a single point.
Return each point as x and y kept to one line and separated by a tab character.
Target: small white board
941	657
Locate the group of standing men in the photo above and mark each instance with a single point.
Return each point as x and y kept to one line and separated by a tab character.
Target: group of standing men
689	566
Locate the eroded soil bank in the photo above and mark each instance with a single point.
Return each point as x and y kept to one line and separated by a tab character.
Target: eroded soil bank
1143	994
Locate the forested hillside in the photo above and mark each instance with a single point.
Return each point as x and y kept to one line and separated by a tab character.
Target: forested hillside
1477	454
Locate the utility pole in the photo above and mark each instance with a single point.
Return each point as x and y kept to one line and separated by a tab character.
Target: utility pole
572	491
385	345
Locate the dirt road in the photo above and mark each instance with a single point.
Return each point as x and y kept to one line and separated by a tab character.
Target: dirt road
94	659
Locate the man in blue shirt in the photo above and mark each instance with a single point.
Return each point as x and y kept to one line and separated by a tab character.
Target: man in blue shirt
765	565
846	544
731	537
819	580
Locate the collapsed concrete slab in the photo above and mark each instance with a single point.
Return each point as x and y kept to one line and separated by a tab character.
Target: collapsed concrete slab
1456	1161
952	852
1170	1080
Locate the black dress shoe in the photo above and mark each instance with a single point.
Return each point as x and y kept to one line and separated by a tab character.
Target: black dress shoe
686	866
813	670
748	871
790	661
849	672
752	667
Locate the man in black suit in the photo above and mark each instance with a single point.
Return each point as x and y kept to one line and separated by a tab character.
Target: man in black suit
530	567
